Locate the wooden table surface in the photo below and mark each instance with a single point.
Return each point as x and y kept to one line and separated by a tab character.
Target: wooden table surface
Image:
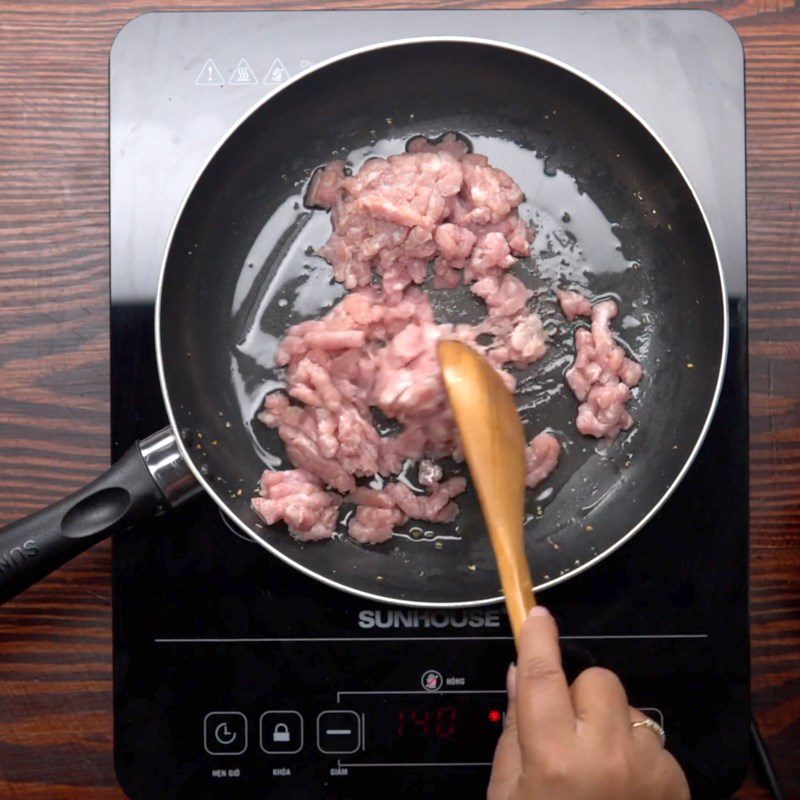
55	641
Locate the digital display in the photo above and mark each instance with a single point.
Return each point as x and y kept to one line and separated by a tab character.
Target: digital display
440	722
433	728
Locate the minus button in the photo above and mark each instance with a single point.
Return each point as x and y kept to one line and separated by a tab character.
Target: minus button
338	732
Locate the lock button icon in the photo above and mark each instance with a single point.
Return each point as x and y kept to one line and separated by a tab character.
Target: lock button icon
281	732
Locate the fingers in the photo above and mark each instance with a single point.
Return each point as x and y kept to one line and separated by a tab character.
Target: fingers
507	763
511	689
668	779
671	778
578	741
544	707
600	701
647	741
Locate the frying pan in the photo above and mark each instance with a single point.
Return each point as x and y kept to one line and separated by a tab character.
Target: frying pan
614	215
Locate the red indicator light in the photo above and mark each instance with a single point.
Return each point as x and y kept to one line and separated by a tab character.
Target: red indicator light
495	715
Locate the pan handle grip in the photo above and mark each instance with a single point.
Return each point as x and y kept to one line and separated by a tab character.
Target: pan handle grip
144	482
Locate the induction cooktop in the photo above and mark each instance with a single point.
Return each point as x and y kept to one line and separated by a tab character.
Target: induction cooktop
238	677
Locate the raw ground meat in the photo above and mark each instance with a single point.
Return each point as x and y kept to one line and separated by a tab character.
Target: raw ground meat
369	352
436	506
437	202
376	516
519	341
601	376
374	351
379	511
429	472
297	497
504	294
574	304
374	354
541	458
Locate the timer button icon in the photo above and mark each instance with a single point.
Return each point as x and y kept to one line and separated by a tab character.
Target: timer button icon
225	733
432	680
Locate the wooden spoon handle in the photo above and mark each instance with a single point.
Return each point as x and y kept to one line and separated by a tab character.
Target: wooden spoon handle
494	448
515	578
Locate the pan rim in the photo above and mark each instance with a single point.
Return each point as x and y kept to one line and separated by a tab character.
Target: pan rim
495	599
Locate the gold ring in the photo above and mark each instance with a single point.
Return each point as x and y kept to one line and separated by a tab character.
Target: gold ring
651	725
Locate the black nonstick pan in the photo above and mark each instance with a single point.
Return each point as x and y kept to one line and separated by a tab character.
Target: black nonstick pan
613	214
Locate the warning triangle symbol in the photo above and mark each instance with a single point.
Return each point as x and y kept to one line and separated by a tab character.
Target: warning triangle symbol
243	74
210	75
277	73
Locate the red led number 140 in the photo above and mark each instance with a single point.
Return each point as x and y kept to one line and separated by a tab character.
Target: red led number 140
440	722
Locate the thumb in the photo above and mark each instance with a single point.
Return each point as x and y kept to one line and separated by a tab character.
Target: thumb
510	721
507	764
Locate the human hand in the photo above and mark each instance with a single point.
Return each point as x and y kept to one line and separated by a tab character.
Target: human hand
575	742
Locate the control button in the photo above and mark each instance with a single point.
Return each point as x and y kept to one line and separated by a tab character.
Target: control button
225	733
281	732
338	732
432	680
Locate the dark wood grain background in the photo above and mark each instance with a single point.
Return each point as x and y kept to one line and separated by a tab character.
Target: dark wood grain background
55	641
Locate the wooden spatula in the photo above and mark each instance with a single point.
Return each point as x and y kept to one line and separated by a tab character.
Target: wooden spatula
494	446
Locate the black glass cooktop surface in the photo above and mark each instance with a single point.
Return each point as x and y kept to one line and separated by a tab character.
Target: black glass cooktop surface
236	676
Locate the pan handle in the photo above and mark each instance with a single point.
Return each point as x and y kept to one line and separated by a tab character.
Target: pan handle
151	477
